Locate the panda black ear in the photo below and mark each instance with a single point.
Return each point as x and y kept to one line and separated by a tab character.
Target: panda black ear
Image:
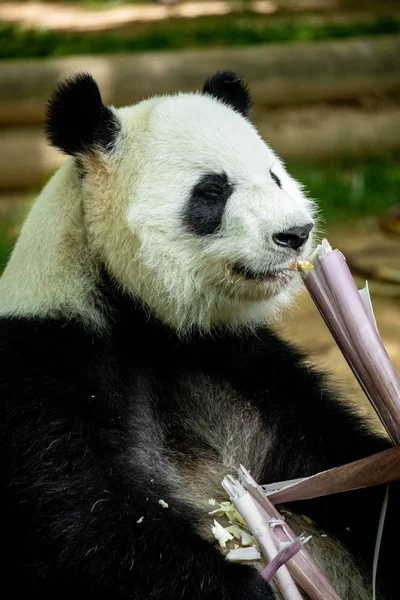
77	121
231	89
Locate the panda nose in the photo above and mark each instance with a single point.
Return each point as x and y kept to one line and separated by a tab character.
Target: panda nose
294	238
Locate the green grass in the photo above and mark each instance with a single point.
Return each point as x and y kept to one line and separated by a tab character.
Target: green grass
6	244
350	189
231	30
11	219
345	190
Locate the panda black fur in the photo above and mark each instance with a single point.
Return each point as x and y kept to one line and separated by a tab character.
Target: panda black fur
138	361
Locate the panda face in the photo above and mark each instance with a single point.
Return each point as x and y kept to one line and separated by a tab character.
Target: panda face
213	211
184	204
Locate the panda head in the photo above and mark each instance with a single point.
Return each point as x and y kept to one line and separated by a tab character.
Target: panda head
184	204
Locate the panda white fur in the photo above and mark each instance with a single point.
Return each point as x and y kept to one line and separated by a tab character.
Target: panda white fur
138	361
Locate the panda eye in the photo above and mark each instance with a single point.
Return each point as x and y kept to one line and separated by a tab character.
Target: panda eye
213	191
276	179
206	204
213	186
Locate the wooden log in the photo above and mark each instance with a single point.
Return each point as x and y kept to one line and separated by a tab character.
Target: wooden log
25	158
316	133
322	133
278	74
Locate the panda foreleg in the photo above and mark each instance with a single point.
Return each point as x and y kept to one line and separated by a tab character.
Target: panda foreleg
81	521
89	537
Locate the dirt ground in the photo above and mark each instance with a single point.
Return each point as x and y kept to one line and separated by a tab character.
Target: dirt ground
64	16
304	326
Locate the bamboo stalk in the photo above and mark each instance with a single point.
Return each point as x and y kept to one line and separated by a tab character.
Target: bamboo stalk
337	298
377	469
302	567
258	526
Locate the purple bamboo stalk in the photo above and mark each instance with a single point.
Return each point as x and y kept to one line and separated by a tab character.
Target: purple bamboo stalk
336	296
302	567
282	558
377	469
248	508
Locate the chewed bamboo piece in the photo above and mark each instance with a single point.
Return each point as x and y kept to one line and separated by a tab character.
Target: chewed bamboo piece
282	558
302	567
259	527
334	292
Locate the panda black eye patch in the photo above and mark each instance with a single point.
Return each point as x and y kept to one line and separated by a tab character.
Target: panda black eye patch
276	179
205	208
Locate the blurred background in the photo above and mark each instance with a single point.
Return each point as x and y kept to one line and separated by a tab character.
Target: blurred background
325	75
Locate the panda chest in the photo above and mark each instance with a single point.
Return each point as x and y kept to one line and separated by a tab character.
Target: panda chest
214	430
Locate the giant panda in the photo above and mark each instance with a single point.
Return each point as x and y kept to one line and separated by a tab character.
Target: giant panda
139	362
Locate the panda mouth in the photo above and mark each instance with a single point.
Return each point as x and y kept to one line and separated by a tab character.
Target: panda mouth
277	275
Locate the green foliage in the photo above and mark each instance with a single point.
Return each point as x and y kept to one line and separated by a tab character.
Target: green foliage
348	189
12	213
6	244
230	30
